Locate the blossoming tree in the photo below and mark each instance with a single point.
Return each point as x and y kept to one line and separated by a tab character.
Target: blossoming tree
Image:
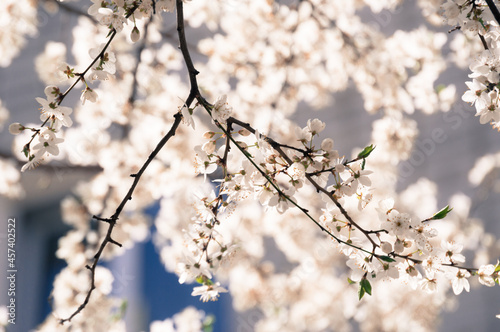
204	126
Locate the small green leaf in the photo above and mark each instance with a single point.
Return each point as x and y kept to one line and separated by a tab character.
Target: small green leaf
387	259
361	292
442	213
363	164
350	281
366	151
366	286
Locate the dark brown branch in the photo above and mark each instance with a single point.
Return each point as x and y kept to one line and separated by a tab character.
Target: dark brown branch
483	41
114	218
226	150
137	176
194	92
494	10
81	76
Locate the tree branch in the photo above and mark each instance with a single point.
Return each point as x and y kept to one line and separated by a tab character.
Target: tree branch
494	10
114	218
194	92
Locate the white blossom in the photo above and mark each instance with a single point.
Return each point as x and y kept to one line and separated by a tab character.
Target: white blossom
485	273
221	110
208	292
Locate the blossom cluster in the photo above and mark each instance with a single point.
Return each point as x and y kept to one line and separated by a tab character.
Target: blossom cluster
475	18
113	14
205	248
403	246
54	116
19	20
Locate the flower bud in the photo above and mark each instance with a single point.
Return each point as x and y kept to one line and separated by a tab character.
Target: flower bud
386	247
242	145
412	271
399	246
244	132
315	126
88	94
208	135
135	34
327	144
16	128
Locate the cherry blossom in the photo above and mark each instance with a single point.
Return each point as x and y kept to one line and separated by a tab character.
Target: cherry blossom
48	143
104	68
451	252
221	111
486	273
88	94
208	292
52	111
460	282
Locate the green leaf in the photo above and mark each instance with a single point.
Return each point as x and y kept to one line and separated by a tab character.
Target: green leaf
26	150
442	213
363	164
366	286
361	292
350	281
387	259
366	151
